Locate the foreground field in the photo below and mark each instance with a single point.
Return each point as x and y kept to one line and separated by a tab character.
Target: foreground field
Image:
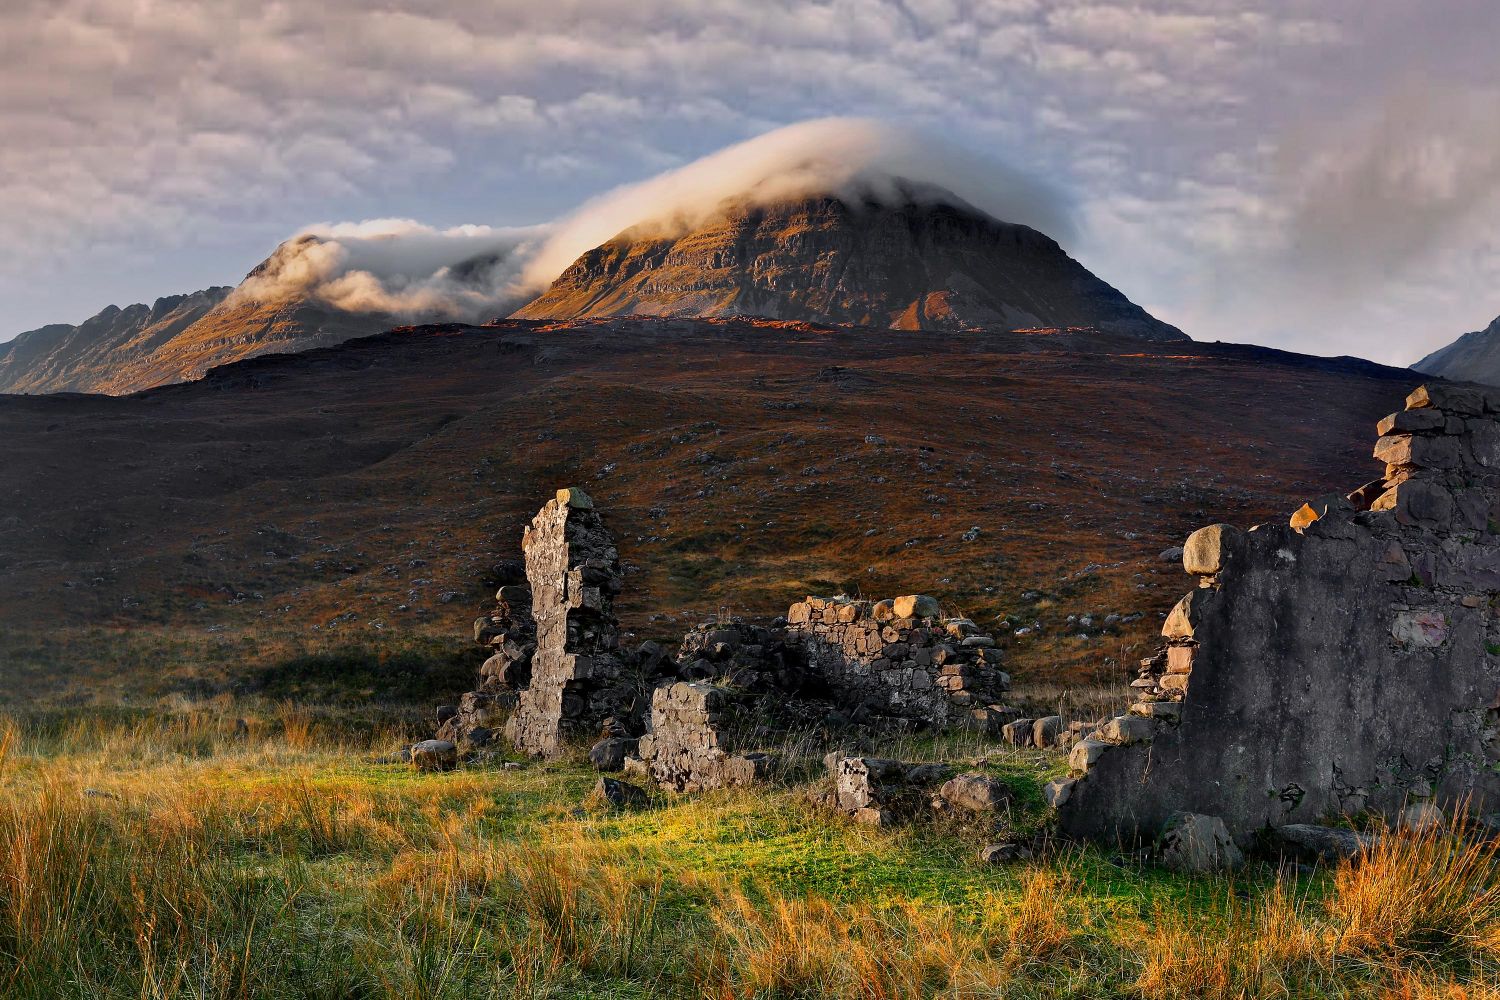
168	855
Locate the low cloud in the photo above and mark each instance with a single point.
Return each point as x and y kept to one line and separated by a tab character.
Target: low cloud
853	158
397	266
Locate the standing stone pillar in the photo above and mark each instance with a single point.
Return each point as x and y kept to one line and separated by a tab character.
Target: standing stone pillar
574	572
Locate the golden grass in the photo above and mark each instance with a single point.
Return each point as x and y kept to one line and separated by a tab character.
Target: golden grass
173	857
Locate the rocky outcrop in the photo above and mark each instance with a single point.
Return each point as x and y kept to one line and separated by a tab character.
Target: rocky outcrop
574	572
920	265
902	658
1346	661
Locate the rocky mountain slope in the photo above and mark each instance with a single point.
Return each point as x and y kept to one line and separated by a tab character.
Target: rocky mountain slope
176	339
920	265
1474	357
66	358
349	504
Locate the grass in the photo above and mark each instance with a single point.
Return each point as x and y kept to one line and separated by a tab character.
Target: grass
175	853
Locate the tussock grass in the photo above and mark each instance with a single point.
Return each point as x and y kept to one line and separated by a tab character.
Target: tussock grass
178	854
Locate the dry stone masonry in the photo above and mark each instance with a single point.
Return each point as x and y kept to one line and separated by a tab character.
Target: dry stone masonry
574	572
1347	661
689	745
901	658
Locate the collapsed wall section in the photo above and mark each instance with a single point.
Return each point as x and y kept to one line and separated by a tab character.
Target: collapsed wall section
1345	662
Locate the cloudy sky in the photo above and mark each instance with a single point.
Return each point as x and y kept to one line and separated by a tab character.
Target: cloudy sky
1320	176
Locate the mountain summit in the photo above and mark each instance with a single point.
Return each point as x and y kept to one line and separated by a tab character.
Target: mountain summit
917	264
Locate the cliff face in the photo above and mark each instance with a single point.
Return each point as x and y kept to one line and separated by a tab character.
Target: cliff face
1474	357
912	267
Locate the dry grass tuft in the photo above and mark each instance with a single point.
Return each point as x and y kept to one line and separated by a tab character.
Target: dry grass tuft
1427	893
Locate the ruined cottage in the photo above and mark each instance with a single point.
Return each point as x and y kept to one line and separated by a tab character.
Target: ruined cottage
1346	661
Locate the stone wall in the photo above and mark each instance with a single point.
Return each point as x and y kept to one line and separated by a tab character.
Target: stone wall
1346	661
902	658
689	744
574	572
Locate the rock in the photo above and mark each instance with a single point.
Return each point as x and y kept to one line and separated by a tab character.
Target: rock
1044	731
1057	792
1018	733
1125	730
1192	842
572	496
619	794
1208	549
1083	754
1325	843
916	606
609	754
446	712
999	854
1170	555
1419	817
434	755
975	792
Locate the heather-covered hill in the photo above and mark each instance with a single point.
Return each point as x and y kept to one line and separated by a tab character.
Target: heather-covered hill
356	498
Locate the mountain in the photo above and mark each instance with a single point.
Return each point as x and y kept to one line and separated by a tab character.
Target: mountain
64	358
316	511
1474	357
176	339
916	265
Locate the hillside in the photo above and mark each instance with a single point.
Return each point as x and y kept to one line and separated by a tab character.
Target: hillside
1473	357
914	266
356	498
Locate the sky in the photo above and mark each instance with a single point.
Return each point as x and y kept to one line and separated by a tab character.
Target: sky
1317	176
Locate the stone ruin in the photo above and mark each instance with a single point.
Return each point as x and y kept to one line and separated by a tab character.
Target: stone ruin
691	721
1342	663
902	658
1346	662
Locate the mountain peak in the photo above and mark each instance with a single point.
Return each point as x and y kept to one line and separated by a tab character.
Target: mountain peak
925	260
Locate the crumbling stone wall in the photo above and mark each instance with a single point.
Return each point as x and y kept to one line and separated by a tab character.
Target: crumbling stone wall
1346	661
902	658
509	633
689	743
574	572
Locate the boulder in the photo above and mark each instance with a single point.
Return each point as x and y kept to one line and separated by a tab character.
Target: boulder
1208	549
1192	842
1044	731
975	792
619	794
916	606
1018	733
1321	843
609	754
434	755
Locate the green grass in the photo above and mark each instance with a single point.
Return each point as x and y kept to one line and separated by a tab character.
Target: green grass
160	854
